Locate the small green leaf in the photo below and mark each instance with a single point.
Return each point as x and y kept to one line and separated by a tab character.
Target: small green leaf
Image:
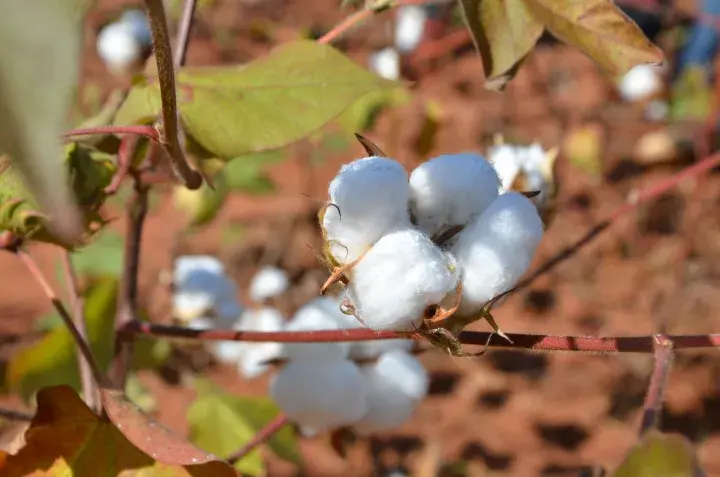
104	255
600	29
52	360
264	105
39	53
222	423
246	173
660	455
361	115
202	205
504	32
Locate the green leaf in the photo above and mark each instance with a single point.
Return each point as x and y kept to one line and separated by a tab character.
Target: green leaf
504	32
660	455
600	29
222	423
104	255
361	115
52	360
202	205
248	178
264	105
692	96
39	53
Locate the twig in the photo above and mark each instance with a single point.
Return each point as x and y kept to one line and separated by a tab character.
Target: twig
261	437
89	389
147	131
82	345
632	203
663	355
166	76
536	342
11	415
186	23
127	311
126	151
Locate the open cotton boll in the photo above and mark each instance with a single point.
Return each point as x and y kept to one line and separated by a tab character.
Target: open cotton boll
386	63
314	316
139	24
254	356
118	47
395	384
409	26
505	162
641	82
496	249
268	282
401	275
320	395
450	190
200	292
372	197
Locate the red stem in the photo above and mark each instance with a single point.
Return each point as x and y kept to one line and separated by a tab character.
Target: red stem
261	437
147	131
663	352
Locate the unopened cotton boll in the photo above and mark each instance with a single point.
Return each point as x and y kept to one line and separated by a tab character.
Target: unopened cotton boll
370	198
641	82
118	47
314	316
395	384
450	190
409	26
496	249
386	63
269	282
401	275
320	395
255	355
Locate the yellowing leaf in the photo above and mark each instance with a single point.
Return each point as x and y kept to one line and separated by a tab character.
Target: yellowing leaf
66	439
223	423
504	32
264	105
660	455
599	29
39	53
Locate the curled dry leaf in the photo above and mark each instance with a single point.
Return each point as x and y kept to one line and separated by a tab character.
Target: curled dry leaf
67	439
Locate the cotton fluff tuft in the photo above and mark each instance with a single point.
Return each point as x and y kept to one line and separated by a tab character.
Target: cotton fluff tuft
372	197
254	355
320	395
641	82
386	63
118	47
532	163
496	249
403	274
139	24
409	26
450	190
313	316
395	384
267	283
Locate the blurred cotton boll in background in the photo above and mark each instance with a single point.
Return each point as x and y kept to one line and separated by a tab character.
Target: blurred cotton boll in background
409	26
119	49
139	24
268	282
386	63
642	82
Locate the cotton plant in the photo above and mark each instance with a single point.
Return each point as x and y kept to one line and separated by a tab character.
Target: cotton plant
267	283
528	169
426	252
122	44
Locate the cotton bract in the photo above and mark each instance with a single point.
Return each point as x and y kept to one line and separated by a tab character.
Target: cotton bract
320	395
395	384
496	249
450	190
394	283
269	282
370	198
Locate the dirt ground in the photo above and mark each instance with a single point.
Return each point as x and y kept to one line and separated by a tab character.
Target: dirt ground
508	413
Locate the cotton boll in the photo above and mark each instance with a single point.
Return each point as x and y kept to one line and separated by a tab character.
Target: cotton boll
403	274
505	162
254	356
641	82
395	384
139	25
227	311
314	316
229	352
118	47
450	190
386	63
371	199
496	249
267	283
409	26
320	395
201	323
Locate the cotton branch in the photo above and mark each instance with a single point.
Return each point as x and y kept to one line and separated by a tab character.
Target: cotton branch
146	131
273	427
663	355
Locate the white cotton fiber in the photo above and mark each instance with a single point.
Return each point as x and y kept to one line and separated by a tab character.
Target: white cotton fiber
504	160
496	249
403	274
641	82
118	47
386	63
200	285
139	24
254	355
268	282
315	315
372	197
395	384
409	26
320	395
450	190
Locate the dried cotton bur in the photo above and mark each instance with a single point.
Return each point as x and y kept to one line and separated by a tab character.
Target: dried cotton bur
428	253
